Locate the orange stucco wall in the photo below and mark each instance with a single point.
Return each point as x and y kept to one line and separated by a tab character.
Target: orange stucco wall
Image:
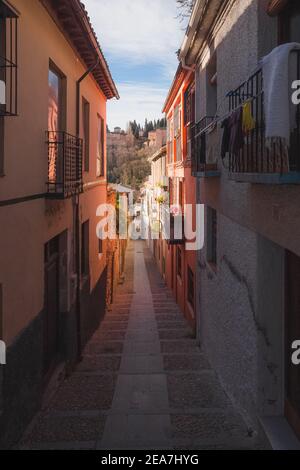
27	226
181	170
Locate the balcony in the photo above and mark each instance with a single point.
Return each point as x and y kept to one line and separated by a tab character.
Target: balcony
64	165
203	142
255	163
8	61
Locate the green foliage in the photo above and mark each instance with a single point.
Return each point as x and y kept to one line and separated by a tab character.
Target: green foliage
185	8
148	127
128	164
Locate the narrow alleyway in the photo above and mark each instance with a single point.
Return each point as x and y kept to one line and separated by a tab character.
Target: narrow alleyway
143	382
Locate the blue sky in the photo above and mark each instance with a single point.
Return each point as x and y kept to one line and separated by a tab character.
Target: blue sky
139	39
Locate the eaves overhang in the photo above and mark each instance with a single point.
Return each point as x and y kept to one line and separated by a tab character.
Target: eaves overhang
75	24
202	18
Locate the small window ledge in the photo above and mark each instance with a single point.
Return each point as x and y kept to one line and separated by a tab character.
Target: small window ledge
266	178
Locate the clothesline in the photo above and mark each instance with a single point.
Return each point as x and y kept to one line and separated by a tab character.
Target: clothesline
218	119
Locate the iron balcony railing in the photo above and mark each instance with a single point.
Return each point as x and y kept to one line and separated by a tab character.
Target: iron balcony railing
64	164
190	141
255	157
198	148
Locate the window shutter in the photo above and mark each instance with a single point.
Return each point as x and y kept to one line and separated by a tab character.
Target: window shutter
276	6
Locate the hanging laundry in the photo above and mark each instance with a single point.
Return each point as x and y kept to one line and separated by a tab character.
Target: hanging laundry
236	141
226	138
248	120
276	68
202	148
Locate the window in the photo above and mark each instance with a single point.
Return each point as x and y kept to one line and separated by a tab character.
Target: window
190	287
180	197
179	262
289	21
212	90
85	249
86	133
56	123
51	249
100	146
56	99
8	70
177	132
8	60
212	236
170	140
189	105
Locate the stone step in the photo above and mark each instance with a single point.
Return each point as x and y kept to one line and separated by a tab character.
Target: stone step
185	362
179	346
95	347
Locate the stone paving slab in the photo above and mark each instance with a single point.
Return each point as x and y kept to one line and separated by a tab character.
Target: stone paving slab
117	318
195	390
142	347
50	428
209	426
184	333
113	335
182	346
127	431
147	392
62	445
107	325
142	364
99	363
171	325
184	362
104	347
84	392
140	335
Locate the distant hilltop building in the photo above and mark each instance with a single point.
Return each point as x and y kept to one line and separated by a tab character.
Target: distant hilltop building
119	138
157	138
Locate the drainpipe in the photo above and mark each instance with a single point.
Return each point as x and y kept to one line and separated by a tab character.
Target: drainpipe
76	200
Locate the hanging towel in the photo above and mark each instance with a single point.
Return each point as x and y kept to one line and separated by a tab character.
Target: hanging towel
277	78
236	141
248	120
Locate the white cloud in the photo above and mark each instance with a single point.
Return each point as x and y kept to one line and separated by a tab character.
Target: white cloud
138	31
138	100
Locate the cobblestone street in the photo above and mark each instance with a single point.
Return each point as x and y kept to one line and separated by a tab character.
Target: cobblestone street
143	382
